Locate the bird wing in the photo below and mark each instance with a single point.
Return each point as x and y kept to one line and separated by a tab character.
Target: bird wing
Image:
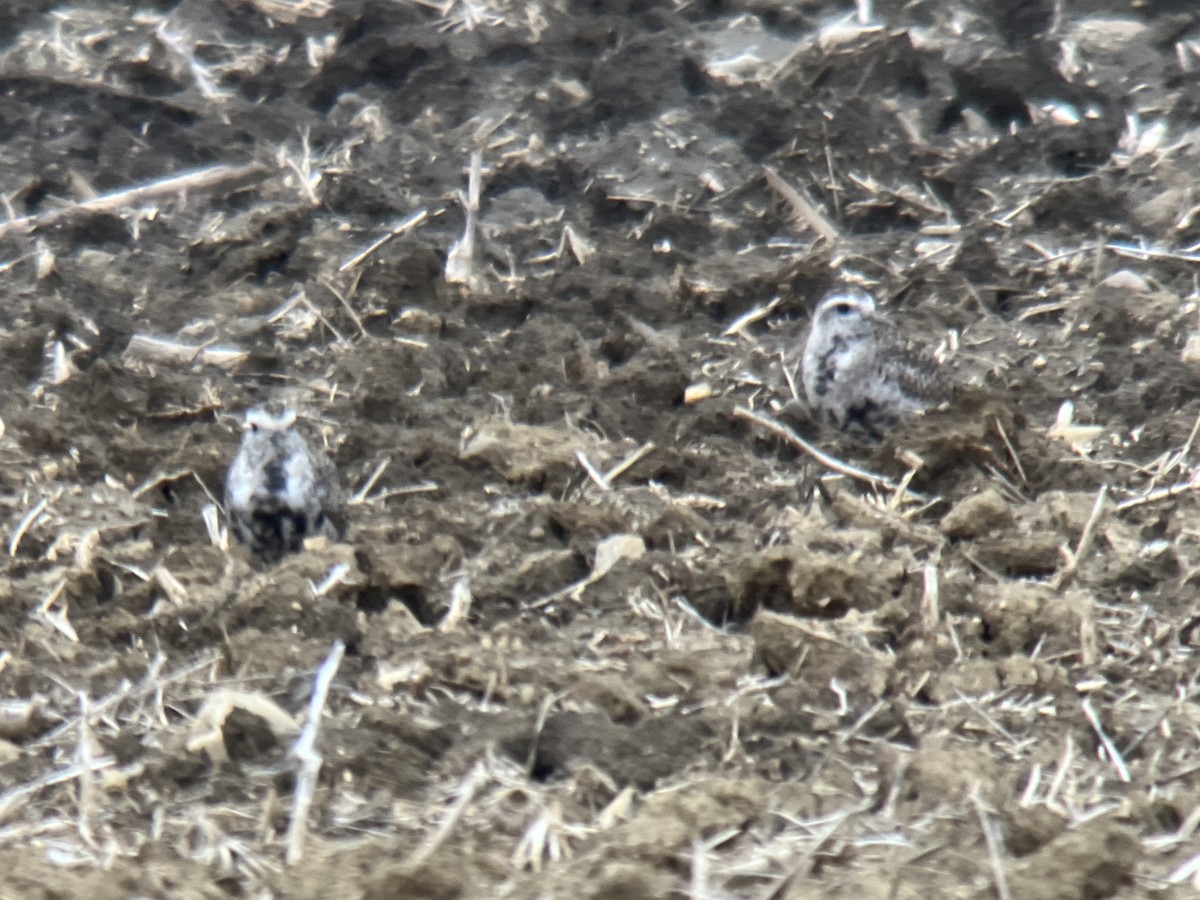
913	369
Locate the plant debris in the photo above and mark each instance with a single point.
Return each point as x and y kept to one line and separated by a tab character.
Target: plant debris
615	615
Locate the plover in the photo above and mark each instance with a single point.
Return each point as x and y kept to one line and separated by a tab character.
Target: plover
279	490
858	371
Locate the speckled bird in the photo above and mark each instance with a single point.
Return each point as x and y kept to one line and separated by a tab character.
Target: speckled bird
280	491
858	372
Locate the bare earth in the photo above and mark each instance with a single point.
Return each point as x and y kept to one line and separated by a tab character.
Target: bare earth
609	631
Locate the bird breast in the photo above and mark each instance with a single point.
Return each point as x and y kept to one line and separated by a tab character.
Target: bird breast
276	466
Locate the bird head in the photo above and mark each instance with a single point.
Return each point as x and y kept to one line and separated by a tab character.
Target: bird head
261	419
846	313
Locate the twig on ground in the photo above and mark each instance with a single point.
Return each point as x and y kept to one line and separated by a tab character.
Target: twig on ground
1166	493
466	792
300	298
305	751
973	705
698	888
407	225
1065	759
802	208
360	496
995	848
343	298
1086	538
153	683
23	526
1135	252
87	768
539	726
421	487
749	318
789	436
1042	309
460	260
208	179
1173	460
897	498
1089	644
177	44
54	613
629	462
14	798
1185	871
803	865
694	614
460	606
1110	748
930	598
789	376
156	349
592	472
335	576
1012	451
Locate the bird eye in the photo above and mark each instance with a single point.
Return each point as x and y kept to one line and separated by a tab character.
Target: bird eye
843	309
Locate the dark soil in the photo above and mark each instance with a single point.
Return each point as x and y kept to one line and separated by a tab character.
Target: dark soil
711	666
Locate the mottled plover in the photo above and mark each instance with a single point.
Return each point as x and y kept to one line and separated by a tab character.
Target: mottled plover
858	371
280	491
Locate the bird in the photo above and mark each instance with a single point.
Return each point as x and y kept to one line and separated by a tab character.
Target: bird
278	490
858	371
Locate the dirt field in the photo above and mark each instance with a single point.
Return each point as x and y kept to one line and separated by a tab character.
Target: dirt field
609	629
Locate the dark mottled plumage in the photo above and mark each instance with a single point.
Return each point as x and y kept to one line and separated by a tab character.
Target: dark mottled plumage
858	373
279	490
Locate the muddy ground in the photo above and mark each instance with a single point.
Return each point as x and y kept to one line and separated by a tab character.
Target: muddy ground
609	630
